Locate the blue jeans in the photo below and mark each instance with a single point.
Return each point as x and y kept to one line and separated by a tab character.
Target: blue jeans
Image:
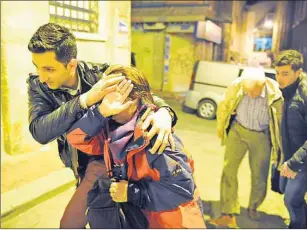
294	190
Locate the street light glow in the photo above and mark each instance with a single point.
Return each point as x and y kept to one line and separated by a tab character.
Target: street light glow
268	24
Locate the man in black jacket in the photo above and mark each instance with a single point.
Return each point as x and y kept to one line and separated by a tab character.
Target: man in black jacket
293	162
64	88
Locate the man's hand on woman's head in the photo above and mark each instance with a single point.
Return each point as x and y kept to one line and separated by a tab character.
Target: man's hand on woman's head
113	102
161	121
161	124
104	86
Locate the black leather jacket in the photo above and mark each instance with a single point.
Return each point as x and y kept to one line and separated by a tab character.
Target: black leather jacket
53	112
294	124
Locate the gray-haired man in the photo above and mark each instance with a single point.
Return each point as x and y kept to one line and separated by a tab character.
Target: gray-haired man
248	119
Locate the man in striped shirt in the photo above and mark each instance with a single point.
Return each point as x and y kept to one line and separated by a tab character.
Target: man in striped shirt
248	119
253	112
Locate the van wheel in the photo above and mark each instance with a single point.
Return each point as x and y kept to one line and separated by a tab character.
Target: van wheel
207	109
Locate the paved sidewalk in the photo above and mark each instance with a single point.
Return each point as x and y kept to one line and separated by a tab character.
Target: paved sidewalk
18	200
30	178
21	169
46	214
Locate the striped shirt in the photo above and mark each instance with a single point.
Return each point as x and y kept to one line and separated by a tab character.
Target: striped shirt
253	113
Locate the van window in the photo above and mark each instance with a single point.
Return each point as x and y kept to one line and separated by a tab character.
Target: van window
216	73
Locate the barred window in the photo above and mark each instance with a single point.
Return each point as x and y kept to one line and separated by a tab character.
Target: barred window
81	16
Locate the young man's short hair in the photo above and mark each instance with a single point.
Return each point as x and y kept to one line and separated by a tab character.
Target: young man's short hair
290	57
54	37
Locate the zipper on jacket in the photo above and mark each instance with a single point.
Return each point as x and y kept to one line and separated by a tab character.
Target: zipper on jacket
132	154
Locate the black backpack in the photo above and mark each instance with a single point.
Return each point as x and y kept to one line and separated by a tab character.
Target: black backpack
275	178
104	213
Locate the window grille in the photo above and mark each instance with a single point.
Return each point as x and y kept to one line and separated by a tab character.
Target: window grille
80	16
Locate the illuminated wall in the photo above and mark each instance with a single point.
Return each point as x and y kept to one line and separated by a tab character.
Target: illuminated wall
19	20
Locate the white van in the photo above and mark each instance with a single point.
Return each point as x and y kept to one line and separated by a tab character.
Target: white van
208	84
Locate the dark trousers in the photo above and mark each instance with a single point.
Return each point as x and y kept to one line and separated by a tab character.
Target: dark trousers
295	190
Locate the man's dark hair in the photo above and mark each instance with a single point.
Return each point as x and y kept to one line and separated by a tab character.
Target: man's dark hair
53	37
290	57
